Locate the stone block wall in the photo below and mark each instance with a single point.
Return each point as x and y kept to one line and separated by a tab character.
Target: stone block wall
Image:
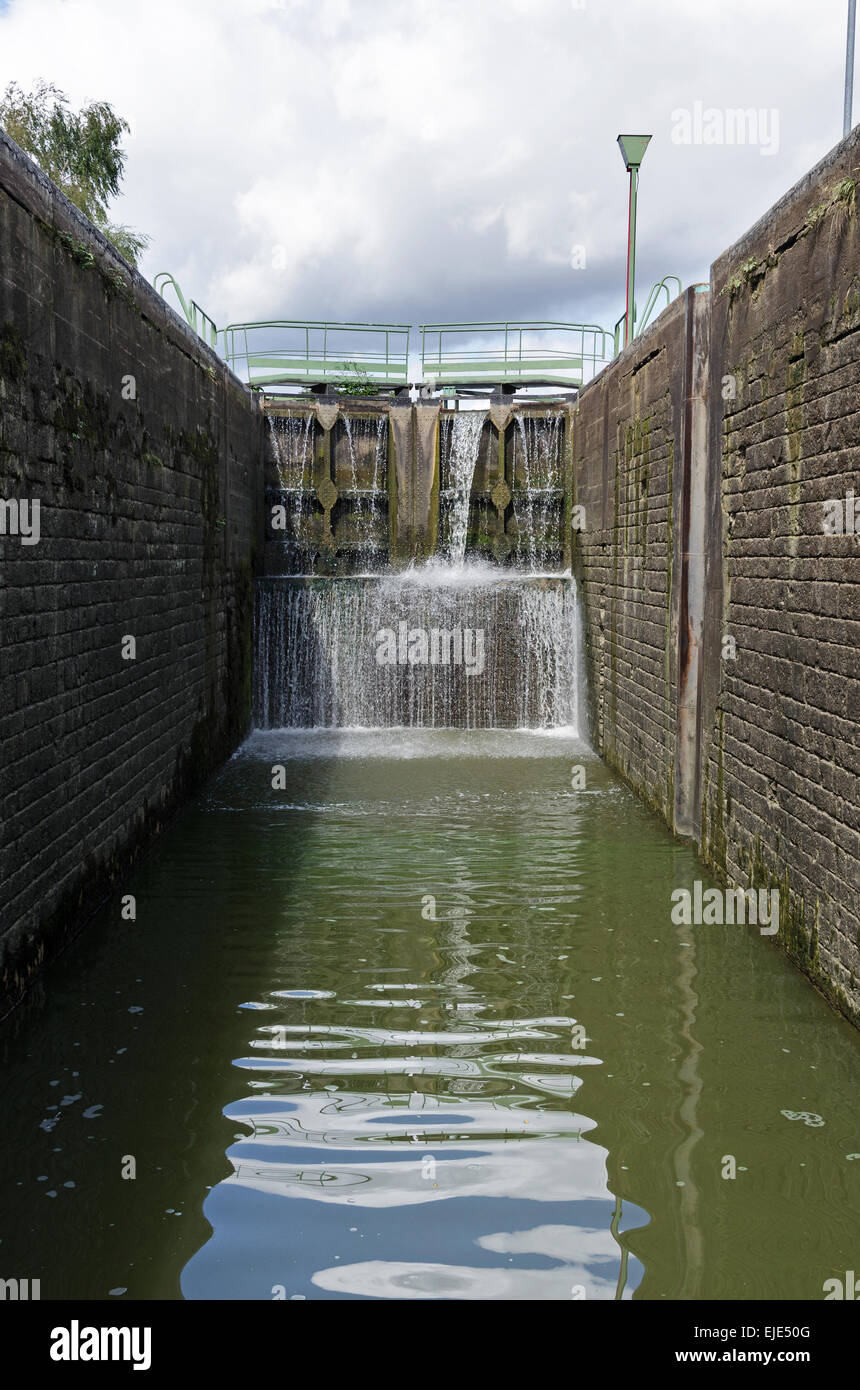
143	453
717	462
782	807
639	457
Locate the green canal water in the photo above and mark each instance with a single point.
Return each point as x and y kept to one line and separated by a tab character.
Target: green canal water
419	1025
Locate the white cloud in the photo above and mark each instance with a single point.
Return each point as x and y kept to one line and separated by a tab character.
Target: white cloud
436	159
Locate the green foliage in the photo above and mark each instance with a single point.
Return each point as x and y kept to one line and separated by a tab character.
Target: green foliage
128	242
845	191
78	250
815	215
358	383
81	151
748	272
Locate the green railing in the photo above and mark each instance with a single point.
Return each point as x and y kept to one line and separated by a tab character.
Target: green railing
198	319
514	352
653	298
527	352
287	352
640	324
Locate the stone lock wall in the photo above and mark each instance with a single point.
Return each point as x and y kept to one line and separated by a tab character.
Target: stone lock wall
639	460
144	454
781	805
713	459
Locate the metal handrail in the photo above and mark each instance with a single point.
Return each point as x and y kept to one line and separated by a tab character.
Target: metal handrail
309	355
639	324
653	297
197	318
168	279
314	358
509	350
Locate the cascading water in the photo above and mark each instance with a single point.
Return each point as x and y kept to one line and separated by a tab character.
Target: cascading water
448	644
461	440
292	447
432	648
367	438
538	440
292	441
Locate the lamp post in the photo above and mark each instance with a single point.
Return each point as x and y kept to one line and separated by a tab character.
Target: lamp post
849	68
633	149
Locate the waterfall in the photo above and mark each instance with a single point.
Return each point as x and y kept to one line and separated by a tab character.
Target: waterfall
343	642
432	648
537	500
367	438
292	439
461	440
292	445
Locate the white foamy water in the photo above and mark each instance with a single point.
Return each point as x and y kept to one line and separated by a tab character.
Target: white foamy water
427	648
461	441
539	440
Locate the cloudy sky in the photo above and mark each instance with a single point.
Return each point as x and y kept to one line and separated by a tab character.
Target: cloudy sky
413	160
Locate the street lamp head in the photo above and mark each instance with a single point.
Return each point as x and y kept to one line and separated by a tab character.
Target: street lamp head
633	149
